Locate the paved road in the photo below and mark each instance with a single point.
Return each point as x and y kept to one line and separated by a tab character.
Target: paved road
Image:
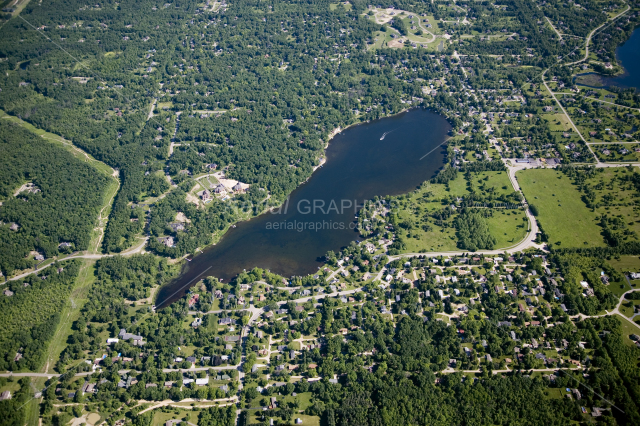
554	28
88	373
193	403
586	56
134	250
588	40
611	103
615	311
48	376
575	128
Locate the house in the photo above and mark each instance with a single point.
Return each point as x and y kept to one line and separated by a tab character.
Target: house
231	338
227	321
238	188
176	226
195	298
5	395
167	241
196	323
205	195
88	388
8	292
202	382
191	359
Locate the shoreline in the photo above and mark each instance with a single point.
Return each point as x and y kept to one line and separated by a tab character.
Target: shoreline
603	79
322	161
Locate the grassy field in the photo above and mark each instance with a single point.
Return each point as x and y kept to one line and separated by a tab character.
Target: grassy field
70	313
334	6
627	307
557	122
562	213
160	417
507	226
382	38
624	265
628	329
304	401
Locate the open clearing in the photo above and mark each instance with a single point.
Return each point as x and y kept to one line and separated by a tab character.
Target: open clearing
562	213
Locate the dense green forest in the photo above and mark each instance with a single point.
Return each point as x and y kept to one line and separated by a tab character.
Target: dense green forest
202	223
118	279
32	313
62	207
217	417
11	409
258	94
404	389
473	232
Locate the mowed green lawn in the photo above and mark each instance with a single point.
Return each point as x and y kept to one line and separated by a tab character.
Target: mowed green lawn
561	212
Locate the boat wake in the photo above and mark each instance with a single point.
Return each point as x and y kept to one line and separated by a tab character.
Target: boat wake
385	134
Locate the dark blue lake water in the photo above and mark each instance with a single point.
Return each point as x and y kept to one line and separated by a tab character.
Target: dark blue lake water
360	165
628	55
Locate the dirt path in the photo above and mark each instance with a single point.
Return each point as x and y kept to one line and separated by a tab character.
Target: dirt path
153	104
193	403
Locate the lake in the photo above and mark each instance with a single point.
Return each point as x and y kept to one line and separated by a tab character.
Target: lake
628	56
389	156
